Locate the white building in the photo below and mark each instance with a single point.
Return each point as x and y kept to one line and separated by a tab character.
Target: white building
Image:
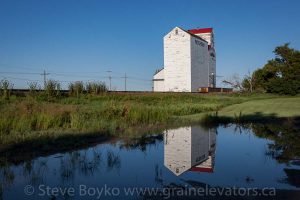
189	61
189	148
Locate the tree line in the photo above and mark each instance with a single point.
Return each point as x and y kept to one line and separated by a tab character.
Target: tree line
53	89
279	75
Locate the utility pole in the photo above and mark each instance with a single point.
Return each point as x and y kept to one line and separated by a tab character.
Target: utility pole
125	81
45	78
109	77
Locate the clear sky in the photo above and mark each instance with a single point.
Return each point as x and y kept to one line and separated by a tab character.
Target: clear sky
82	40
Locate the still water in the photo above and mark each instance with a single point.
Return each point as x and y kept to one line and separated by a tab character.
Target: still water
190	156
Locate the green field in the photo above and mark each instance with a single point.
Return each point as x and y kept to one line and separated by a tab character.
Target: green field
278	107
34	120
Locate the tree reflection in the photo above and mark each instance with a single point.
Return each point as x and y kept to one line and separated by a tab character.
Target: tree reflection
7	177
86	162
142	143
65	168
293	177
285	147
113	161
34	171
286	139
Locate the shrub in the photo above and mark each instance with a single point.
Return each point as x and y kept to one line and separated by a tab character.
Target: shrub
6	87
96	87
52	89
33	88
76	88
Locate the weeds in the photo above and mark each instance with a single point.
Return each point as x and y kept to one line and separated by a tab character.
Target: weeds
52	89
5	87
76	88
33	88
96	87
26	119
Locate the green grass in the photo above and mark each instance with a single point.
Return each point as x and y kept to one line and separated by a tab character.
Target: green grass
278	107
28	120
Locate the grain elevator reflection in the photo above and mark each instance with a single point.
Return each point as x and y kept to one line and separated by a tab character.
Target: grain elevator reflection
190	149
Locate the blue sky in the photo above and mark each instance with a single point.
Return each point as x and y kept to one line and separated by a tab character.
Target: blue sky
82	40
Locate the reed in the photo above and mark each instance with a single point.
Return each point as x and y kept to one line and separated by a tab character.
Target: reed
23	119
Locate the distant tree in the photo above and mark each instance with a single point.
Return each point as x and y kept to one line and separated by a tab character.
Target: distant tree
234	81
248	83
280	75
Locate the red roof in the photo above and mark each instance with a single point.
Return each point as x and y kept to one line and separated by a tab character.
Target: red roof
201	30
202	169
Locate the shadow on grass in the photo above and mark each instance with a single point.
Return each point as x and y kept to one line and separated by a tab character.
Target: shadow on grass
214	119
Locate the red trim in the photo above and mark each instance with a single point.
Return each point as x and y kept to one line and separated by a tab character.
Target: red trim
202	169
201	30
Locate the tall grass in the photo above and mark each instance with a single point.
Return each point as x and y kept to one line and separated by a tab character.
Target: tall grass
29	118
5	88
76	88
96	87
52	89
33	88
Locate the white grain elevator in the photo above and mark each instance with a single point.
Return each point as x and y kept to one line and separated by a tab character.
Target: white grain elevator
189	61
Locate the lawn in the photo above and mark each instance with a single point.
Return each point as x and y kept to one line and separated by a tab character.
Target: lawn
279	107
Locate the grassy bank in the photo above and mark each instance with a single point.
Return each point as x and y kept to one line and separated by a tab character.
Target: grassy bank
282	110
28	119
279	107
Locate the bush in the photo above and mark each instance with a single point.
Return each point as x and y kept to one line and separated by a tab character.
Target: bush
96	87
281	86
76	88
6	87
33	88
52	89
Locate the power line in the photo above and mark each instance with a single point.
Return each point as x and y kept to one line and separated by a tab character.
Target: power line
23	79
139	82
45	78
68	75
127	80
31	73
64	72
139	79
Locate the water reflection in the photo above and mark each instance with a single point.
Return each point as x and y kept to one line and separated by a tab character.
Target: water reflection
62	168
286	145
190	148
244	156
293	177
34	171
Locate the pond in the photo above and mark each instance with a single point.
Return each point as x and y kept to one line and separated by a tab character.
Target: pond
254	158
